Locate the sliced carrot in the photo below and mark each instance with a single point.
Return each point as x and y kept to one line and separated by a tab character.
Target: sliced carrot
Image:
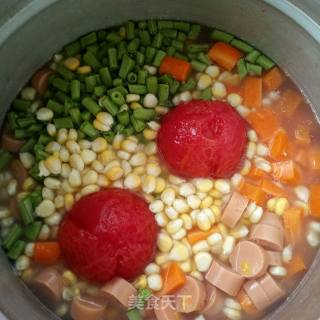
46	252
173	278
314	158
256	173
224	55
196	235
252	94
287	172
292	220
301	157
178	68
273	79
314	200
264	122
238	89
279	144
288	102
302	134
295	266
246	303
252	192
271	188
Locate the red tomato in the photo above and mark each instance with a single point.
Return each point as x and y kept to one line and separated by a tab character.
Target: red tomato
109	233
202	139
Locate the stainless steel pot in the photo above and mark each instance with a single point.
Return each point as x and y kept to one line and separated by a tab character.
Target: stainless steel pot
32	30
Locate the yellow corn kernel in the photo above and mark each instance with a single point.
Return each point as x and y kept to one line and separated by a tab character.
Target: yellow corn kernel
72	63
68	201
106	156
84	70
114	173
271	204
28	184
138	170
69	277
160	185
149	134
140	282
206	202
282	204
215	194
135	105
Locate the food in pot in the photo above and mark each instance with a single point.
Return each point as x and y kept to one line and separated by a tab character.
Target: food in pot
160	170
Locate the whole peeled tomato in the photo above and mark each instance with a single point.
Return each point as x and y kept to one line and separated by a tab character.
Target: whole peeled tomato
202	139
109	233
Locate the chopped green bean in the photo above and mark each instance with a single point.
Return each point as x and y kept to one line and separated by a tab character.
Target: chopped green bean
123	117
265	62
242	68
25	122
105	76
170	33
63	123
150	53
194	32
134	314
145	38
12	119
165	24
21	105
206	94
13	235
152	84
28	146
137	88
132	77
171	51
90	105
91	83
61	84
139	58
203	57
197	47
152	27
182	26
189	85
122	49
55	106
254	69
99	91
117	82
113	61
61	96
72	49
133	45
88	129
75	89
35	128
158	58
127	65
26	210
163	93
109	105
181	56
253	56
181	37
242	45
117	98
65	72
218	35
44	139
179	45
130	28
157	40
22	134
198	66
119	128
138	125
121	89
75	115
16	250
113	37
144	114
90	59
88	39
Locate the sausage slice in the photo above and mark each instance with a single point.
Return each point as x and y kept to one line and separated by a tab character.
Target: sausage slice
40	80
272	219
191	297
48	284
224	278
274	258
267	236
271	288
19	171
234	209
249	259
120	290
10	143
87	308
165	312
257	295
214	302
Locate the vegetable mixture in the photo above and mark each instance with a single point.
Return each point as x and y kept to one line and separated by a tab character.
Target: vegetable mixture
160	170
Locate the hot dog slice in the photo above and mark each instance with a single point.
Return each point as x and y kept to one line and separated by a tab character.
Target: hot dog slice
214	302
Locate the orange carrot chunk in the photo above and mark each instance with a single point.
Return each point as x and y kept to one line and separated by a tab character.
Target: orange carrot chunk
314	159
173	278
46	252
301	157
252	95
178	68
224	55
279	145
256	173
196	235
302	134
314	200
295	266
252	192
289	102
273	79
271	188
292	219
264	122
287	172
